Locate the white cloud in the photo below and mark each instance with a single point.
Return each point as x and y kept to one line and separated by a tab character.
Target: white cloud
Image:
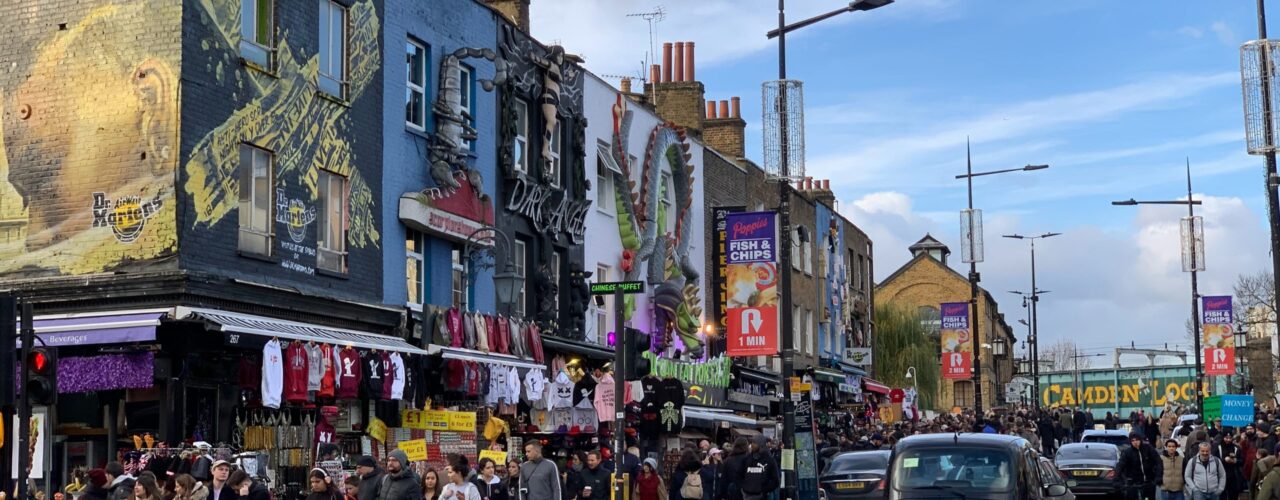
1225	34
1191	31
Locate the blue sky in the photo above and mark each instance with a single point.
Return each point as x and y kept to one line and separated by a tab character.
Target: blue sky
1115	96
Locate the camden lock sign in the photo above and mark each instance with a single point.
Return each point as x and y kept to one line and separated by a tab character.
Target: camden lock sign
549	215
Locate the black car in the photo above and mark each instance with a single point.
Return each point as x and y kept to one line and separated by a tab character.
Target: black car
857	474
1092	466
969	467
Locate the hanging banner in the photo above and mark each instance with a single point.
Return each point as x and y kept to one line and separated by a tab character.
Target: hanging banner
1218	336
751	274
957	344
719	304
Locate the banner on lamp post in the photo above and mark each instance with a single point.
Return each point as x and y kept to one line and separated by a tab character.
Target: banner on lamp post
957	343
1217	335
751	275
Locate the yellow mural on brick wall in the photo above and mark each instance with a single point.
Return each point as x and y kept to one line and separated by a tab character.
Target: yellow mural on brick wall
88	136
289	116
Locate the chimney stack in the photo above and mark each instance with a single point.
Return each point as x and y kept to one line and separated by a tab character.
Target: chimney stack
726	132
666	62
688	62
679	62
516	11
711	110
626	85
822	193
674	93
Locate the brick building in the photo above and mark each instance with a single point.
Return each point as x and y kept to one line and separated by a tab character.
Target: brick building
925	282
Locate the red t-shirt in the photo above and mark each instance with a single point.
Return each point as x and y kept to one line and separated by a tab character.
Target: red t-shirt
328	378
388	375
295	373
349	374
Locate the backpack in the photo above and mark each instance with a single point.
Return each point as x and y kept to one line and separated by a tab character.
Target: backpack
692	487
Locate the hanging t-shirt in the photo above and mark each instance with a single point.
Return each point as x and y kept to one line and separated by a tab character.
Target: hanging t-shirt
295	373
349	373
315	367
328	375
669	415
272	374
535	385
603	402
584	393
650	406
397	384
497	390
388	375
513	386
372	366
561	395
325	432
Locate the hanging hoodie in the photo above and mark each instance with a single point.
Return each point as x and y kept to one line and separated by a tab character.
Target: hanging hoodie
505	327
670	417
388	375
295	373
513	386
584	393
454	320
603	401
315	367
495	341
272	374
535	343
482	334
440	328
327	373
561	392
468	331
350	373
372	365
397	384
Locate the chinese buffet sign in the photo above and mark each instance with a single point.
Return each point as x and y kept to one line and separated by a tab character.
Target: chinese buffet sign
751	271
439	420
957	343
1218	338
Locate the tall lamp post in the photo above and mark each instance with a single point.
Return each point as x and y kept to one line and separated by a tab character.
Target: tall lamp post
1192	262
1242	336
787	126
1257	63
1034	339
971	252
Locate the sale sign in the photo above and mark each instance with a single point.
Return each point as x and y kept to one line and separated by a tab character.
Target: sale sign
957	342
751	278
1218	336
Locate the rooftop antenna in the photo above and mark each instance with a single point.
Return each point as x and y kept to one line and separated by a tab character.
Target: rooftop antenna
653	16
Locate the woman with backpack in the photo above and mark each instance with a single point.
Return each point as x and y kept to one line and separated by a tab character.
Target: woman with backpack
686	481
729	484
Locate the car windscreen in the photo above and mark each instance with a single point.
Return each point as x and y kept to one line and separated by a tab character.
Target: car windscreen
1104	438
1069	453
968	469
851	462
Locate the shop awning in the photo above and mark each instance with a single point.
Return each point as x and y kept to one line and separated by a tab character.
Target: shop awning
715	416
116	327
757	375
577	347
746	432
483	357
874	385
828	376
852	369
224	321
692	434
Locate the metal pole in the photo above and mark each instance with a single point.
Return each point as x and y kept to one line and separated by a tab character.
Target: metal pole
1035	330
1273	198
619	391
1195	299
8	340
973	295
24	404
784	262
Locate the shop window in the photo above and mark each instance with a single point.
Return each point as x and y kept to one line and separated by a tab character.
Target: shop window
555	155
331	248
963	391
414	269
255	200
466	94
519	256
257	31
415	100
458	267
520	143
333	48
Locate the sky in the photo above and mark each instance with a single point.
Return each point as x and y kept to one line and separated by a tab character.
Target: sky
1116	97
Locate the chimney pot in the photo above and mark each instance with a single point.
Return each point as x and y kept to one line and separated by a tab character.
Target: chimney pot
737	107
655	74
679	62
688	62
724	109
666	62
826	184
808	183
626	85
711	109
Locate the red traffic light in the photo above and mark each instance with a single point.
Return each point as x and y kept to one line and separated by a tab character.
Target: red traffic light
38	362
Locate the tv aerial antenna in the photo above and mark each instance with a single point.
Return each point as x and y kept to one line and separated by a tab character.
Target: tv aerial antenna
652	17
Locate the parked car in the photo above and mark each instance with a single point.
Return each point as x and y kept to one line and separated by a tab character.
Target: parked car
970	466
1092	466
1111	436
855	474
1050	474
1187	420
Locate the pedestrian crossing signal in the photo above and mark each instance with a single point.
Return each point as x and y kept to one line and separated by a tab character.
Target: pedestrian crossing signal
41	387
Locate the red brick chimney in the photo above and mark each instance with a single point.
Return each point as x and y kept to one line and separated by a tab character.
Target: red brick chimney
516	11
725	131
672	90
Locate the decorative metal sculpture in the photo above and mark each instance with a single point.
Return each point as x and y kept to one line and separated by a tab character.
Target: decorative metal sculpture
449	149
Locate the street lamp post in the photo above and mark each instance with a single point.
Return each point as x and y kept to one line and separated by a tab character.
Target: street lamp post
972	254
1192	262
1257	63
1241	341
784	176
505	283
1034	339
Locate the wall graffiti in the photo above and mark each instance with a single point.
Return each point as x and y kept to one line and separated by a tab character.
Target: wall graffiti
287	114
88	137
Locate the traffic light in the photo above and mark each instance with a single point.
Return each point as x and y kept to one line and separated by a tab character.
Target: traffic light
41	386
637	366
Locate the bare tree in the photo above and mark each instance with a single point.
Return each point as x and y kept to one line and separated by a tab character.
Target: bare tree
1065	355
1255	310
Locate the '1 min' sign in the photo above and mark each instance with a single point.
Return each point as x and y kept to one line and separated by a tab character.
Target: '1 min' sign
627	287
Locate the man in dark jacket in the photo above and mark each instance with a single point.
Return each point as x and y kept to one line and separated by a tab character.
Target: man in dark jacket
399	483
1077	425
760	476
370	478
729	483
1139	469
595	477
119	484
97	489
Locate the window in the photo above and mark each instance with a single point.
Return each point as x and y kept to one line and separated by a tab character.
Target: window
963	390
520	144
797	327
333	48
256	32
255	200
459	286
331	248
602	313
808	255
605	201
809	329
415	94
555	268
467	86
555	155
930	319
414	247
667	198
524	285
856	282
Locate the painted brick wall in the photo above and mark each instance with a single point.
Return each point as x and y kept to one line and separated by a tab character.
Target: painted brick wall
444	27
226	103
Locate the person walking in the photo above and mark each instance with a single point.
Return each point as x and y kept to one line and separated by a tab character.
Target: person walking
539	478
1229	452
595	479
322	487
710	474
760	475
399	483
649	485
1066	423
730	473
186	487
457	487
1262	466
431	485
145	488
1205	476
488	482
686	481
246	488
1171	482
512	483
1140	468
370	478
1269	488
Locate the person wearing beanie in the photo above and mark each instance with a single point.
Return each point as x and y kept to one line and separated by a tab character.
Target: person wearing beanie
399	483
97	488
370	478
649	485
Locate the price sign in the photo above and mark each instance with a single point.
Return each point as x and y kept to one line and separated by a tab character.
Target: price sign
499	457
435	420
414	419
415	449
464	421
377	430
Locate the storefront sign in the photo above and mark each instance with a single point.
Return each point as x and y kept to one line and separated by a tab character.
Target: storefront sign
462	421
718	281
1130	390
626	287
551	210
957	345
1218	339
858	356
415	449
749	398
454	214
377	430
751	273
1237	411
499	457
703	395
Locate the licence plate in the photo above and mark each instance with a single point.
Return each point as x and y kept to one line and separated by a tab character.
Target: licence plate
848	486
1085	473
